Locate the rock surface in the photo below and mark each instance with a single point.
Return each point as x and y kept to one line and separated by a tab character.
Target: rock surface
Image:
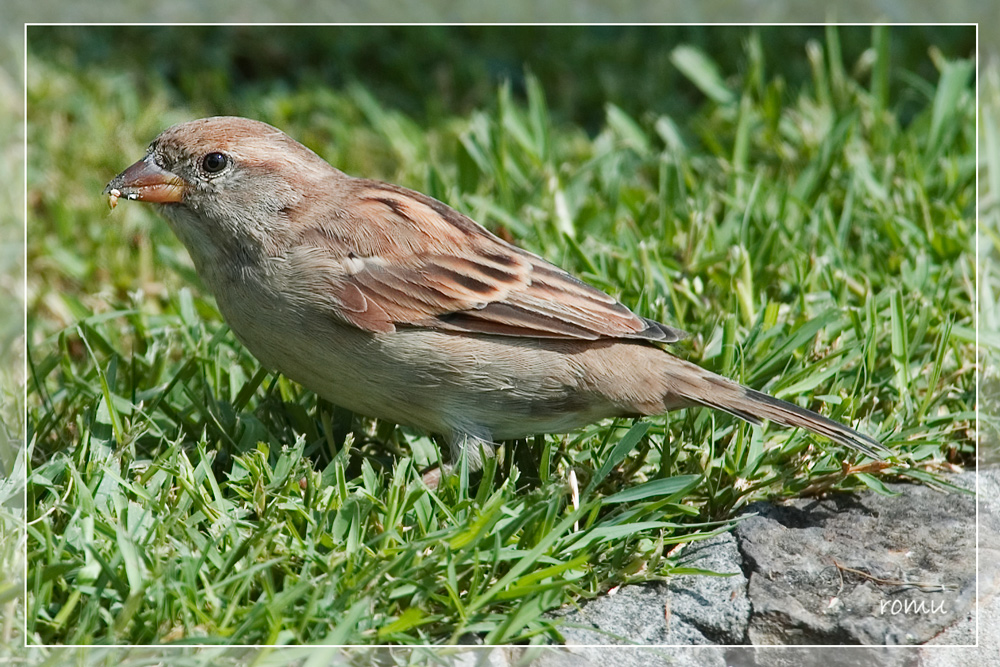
851	569
865	569
685	610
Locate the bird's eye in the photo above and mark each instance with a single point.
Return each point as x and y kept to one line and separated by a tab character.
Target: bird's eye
213	163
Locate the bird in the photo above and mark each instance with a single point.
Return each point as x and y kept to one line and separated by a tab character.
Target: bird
394	305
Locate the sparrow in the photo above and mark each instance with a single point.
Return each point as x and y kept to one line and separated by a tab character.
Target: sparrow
394	305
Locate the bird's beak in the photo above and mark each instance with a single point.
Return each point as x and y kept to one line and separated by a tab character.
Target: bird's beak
146	181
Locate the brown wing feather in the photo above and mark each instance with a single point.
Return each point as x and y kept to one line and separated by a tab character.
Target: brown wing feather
442	270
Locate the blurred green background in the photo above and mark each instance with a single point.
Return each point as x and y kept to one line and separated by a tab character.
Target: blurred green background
430	71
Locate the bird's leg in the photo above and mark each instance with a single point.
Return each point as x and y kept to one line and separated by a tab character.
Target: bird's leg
475	447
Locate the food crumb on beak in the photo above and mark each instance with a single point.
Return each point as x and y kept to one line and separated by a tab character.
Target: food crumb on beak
113	195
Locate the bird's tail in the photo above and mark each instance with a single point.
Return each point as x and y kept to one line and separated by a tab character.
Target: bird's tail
703	387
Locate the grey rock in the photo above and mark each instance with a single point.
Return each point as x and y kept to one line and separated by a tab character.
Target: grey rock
715	610
631	615
821	656
849	569
689	609
865	569
624	656
936	653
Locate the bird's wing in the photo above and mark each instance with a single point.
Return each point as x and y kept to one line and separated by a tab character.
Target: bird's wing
409	260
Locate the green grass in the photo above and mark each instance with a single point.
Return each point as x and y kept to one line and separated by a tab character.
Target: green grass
813	238
12	405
